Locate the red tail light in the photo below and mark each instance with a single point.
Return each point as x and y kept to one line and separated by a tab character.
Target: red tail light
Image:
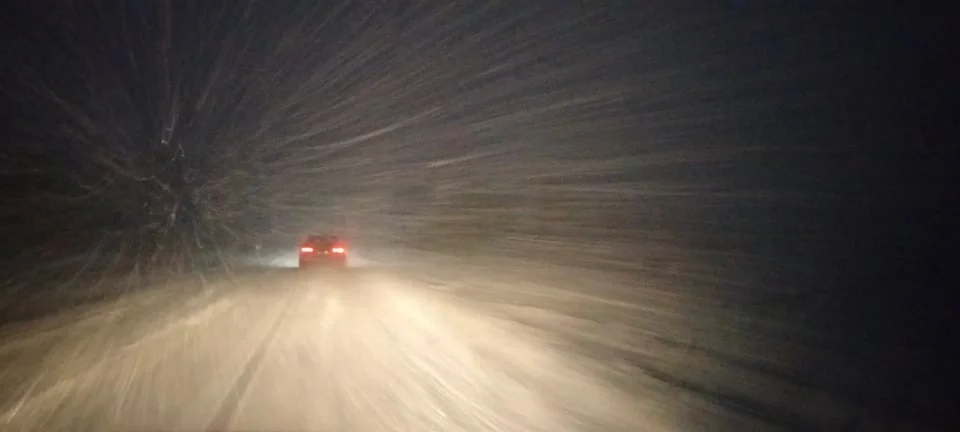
306	249
338	250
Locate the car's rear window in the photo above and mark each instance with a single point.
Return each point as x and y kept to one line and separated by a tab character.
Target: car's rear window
322	240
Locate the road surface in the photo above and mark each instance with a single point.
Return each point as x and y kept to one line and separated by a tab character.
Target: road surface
399	348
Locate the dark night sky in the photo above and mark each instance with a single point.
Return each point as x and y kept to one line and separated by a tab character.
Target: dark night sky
115	113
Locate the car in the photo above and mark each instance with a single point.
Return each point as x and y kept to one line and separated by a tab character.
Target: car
320	250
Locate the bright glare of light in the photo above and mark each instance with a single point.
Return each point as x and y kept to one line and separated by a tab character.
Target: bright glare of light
334	250
307	249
